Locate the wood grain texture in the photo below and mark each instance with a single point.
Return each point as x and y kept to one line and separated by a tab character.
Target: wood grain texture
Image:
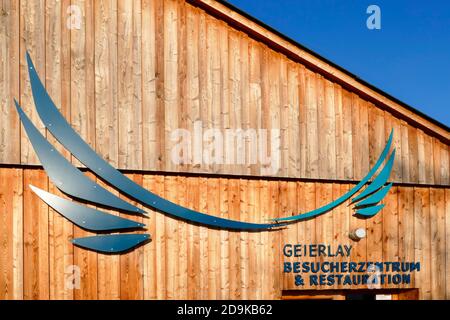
11	235
129	94
9	81
135	72
32	39
187	261
82	75
35	238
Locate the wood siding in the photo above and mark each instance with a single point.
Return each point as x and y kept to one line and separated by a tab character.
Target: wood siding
133	73
136	71
187	261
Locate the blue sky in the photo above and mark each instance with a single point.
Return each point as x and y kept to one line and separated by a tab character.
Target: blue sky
408	58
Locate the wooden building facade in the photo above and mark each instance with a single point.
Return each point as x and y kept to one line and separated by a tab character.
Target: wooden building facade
128	75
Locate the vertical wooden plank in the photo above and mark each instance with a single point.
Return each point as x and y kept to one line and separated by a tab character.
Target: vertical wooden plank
445	165
447	241
302	140
324	223
204	243
376	226
185	195
192	240
97	279
204	76
150	274
6	235
360	142
390	227
244	240
224	241
247	116
131	263
182	75
252	238
32	39
356	138
413	155
290	232
429	164
436	147
265	74
307	234
192	82
106	80
61	258
421	157
422	241
9	81
234	240
289	202
312	159
129	93
217	94
149	78
161	243
347	135
18	235
339	221
171	87
57	83
273	247
406	232
82	77
36	255
83	120
437	226
214	279
399	168
339	127
265	199
347	223
57	66
11	234
293	127
284	118
273	116
171	249
327	130
254	105
364	137
231	151
404	154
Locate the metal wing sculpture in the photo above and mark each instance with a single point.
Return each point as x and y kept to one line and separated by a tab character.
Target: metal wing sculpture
74	183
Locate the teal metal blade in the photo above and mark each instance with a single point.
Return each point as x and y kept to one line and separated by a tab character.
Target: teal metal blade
85	217
114	243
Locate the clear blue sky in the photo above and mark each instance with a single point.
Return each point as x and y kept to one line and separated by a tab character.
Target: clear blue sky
408	58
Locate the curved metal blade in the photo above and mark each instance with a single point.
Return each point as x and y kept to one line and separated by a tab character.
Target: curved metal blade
65	176
85	217
380	180
370	211
348	194
113	243
64	133
375	197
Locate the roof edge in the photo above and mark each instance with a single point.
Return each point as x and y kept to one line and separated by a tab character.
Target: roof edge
241	20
